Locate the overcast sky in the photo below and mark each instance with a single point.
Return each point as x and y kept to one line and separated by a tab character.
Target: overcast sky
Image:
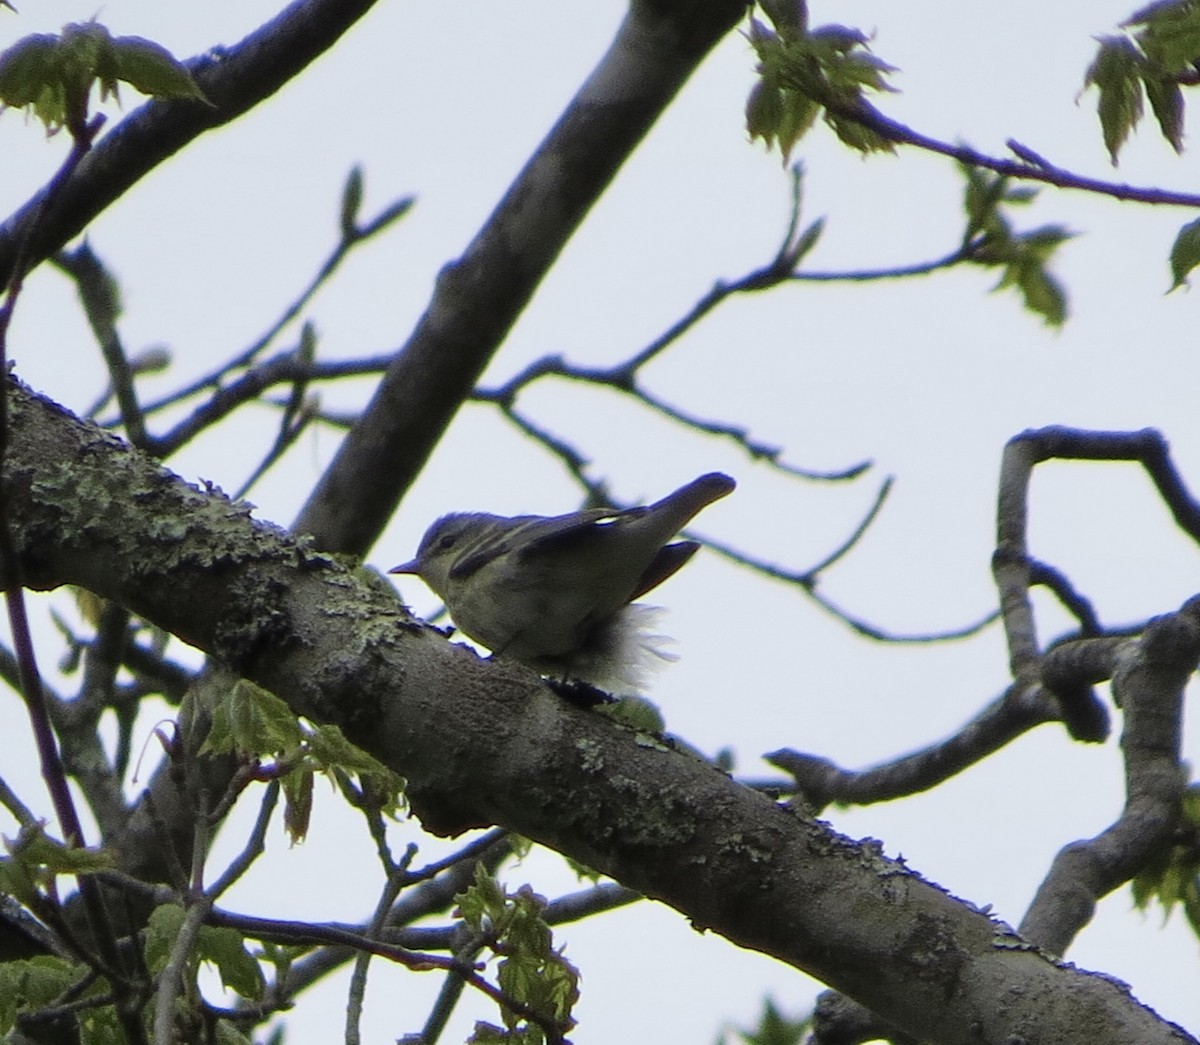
927	378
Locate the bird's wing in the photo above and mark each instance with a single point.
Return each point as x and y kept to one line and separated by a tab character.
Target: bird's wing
563	532
530	533
669	559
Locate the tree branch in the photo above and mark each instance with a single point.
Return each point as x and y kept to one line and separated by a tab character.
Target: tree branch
1149	675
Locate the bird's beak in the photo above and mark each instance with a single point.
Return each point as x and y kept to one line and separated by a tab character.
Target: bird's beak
412	566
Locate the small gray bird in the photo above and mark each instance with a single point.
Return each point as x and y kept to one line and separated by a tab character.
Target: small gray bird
554	592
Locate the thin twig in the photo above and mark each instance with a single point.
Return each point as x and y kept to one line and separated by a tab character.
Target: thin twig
866	115
255	843
468	853
350	239
97	292
451	991
171	981
362	961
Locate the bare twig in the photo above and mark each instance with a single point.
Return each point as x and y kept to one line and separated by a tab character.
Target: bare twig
173	978
818	781
12	802
98	292
358	978
255	843
468	854
1029	168
433	896
450	993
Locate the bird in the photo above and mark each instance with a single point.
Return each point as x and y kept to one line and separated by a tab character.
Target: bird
556	593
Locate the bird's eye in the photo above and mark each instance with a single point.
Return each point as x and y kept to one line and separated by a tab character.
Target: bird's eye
446	542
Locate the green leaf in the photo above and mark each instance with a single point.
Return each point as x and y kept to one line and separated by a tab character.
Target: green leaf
306	350
32	984
255	724
1185	253
162	927
281	956
1191	903
19	881
228	1034
1042	293
799	114
152	70
1043	241
764	112
330	751
249	720
297	790
788	16
1116	72
858	135
1022	256
25	69
489	1034
1151	11
220	946
36	859
484	899
776	1029
982	196
225	948
635	712
88	57
840	39
806	241
582	871
29	79
1020	194
1166	102
1190	807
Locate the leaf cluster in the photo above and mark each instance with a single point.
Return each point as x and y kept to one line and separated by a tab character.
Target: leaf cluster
1173	879
531	971
258	727
35	861
1157	54
1022	257
51	75
29	874
804	72
42	982
773	1028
